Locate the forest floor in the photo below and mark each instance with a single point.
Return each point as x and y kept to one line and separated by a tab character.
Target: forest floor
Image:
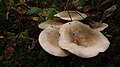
19	46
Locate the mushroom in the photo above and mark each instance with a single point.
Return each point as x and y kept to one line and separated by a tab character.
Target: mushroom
49	23
81	40
49	38
71	15
99	26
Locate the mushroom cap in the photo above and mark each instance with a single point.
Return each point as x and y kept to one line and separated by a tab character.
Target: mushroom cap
49	23
81	40
98	26
71	15
48	39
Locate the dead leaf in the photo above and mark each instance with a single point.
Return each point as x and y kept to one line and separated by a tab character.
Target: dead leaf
8	52
21	9
1	37
9	33
109	12
43	12
86	8
22	1
107	35
77	4
35	18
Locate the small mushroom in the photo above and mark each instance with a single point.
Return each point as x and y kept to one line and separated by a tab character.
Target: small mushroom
81	40
49	23
48	39
71	15
99	26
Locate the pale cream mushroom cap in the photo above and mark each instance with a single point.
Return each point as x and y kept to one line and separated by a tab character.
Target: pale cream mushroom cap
81	40
49	23
98	26
48	39
75	15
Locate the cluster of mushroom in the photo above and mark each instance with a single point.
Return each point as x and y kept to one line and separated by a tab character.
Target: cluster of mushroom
73	37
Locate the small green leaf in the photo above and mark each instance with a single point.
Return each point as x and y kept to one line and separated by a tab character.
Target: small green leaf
24	34
35	10
50	13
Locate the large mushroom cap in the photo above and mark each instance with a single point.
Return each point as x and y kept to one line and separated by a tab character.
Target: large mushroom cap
48	39
49	23
81	40
71	15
